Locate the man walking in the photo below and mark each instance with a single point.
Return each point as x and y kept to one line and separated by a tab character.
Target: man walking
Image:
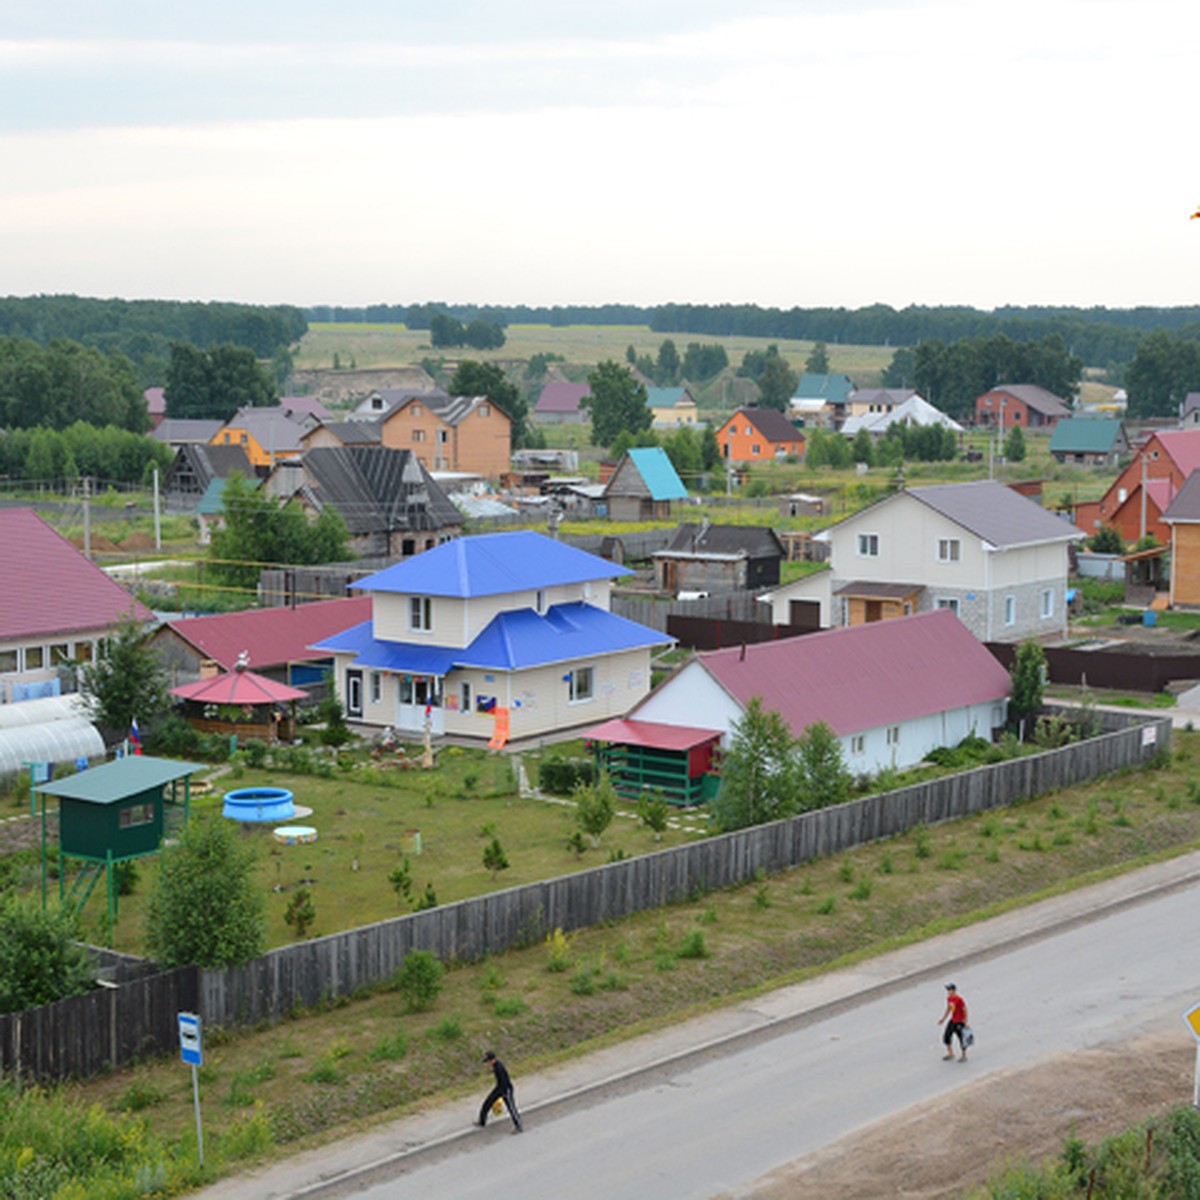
502	1091
956	1011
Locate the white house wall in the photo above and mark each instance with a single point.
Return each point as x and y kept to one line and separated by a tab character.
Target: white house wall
692	698
458	622
816	586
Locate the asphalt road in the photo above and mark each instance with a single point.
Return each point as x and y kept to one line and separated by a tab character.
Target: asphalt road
706	1107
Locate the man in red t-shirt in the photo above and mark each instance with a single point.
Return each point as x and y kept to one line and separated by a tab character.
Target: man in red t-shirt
956	1010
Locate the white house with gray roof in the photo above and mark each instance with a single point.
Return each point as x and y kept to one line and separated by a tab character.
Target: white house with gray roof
992	556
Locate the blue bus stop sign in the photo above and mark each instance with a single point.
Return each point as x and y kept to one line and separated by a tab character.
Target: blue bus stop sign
191	1049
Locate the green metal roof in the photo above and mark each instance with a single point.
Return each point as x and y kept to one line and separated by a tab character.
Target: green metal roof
1085	435
119	779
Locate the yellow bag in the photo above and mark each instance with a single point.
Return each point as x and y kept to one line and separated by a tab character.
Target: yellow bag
498	1108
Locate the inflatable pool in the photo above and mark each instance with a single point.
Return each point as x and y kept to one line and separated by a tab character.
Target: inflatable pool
259	804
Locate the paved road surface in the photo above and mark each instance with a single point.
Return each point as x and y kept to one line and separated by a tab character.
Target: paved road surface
743	1091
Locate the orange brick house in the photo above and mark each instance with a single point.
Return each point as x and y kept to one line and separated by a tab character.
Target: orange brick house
759	435
1156	475
1183	519
1024	404
461	433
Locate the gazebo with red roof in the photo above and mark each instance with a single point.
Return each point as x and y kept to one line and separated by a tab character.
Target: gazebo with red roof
677	761
243	703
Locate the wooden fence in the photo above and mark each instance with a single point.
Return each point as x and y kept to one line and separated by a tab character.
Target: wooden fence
731	606
108	1027
1108	668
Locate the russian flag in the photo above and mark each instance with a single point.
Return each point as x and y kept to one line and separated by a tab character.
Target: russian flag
135	738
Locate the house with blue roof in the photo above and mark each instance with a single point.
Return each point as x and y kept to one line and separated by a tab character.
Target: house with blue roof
504	635
643	486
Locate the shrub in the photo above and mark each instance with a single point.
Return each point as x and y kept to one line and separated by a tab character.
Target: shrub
693	945
419	979
301	912
561	776
39	959
558	948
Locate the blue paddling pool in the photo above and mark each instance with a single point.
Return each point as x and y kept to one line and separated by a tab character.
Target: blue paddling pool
259	804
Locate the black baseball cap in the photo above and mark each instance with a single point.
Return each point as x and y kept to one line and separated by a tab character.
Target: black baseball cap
489	1056
951	988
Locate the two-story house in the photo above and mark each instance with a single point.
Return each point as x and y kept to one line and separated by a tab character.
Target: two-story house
491	637
1023	404
993	557
759	435
265	434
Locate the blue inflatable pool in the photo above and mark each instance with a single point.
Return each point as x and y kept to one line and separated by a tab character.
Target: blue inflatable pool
259	804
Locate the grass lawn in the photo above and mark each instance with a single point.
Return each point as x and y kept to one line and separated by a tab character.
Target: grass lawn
342	1067
368	823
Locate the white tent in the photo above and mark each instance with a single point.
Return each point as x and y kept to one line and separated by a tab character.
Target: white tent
916	410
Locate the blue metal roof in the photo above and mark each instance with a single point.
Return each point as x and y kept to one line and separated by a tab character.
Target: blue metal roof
524	638
512	641
491	564
659	474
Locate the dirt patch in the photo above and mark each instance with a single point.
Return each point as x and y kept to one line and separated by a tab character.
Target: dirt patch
940	1150
138	541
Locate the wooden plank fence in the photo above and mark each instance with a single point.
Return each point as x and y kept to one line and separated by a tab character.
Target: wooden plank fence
108	1027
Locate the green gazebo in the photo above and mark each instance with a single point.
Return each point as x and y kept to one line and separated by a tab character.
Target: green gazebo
111	814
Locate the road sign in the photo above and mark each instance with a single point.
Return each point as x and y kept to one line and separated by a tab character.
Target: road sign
1192	1020
191	1048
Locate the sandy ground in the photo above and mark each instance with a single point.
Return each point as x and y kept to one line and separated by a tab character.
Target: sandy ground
944	1149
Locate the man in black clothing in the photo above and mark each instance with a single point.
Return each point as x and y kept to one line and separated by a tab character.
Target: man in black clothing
502	1091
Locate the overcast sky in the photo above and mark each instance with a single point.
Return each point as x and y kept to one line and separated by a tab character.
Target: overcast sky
805	153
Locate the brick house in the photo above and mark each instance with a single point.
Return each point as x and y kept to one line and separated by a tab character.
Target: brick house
1024	404
759	435
462	433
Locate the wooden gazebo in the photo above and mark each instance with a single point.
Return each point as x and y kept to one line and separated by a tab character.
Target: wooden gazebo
243	703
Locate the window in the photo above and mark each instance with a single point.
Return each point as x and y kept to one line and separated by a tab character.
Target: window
135	814
416	410
418	435
868	545
1047	603
420	613
893	735
858	744
376	687
465	696
35	657
60	652
949	549
8	660
406	689
83	652
540	601
485	410
756	449
950	602
582	684
1010	610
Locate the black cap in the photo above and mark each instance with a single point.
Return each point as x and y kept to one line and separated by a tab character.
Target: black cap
489	1056
951	988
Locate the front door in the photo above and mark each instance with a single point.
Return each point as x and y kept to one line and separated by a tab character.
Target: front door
354	694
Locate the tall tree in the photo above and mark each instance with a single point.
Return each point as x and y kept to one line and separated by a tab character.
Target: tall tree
1163	371
760	777
40	958
1028	676
817	362
488	379
824	779
666	368
777	383
207	909
213	384
126	681
617	402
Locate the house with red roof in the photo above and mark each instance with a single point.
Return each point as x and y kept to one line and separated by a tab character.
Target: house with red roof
891	692
57	606
1139	496
759	435
559	404
276	642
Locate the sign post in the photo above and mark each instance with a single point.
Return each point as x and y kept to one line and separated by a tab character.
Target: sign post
1192	1019
191	1050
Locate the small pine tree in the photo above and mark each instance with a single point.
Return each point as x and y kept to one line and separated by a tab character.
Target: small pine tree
595	807
301	912
494	858
428	899
653	812
402	881
1014	444
419	979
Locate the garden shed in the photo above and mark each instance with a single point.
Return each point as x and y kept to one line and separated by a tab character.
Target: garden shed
113	813
644	756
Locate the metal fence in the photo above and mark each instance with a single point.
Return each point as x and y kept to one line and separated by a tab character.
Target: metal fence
112	1025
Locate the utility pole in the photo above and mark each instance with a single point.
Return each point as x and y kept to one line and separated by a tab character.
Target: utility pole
157	516
87	517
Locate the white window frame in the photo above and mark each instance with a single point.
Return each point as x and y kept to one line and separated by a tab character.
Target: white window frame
1010	610
950	602
420	614
893	735
1046	604
376	687
582	686
949	550
868	545
858	743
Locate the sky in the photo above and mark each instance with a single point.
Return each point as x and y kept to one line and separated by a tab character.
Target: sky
774	152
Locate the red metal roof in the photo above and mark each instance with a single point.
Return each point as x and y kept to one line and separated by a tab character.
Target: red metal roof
50	588
271	636
238	687
651	733
864	676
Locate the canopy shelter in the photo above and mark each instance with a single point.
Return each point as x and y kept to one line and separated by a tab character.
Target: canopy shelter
645	756
241	702
113	813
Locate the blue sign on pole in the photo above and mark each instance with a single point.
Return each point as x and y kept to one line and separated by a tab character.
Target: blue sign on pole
190	1044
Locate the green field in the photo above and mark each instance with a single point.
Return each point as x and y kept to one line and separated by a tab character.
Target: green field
365	345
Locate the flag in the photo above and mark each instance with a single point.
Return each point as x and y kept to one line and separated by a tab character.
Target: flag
135	738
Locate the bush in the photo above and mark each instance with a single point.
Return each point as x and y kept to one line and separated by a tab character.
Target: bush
39	960
419	980
561	776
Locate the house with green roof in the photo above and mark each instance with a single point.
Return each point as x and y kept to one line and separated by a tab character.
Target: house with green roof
1091	441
